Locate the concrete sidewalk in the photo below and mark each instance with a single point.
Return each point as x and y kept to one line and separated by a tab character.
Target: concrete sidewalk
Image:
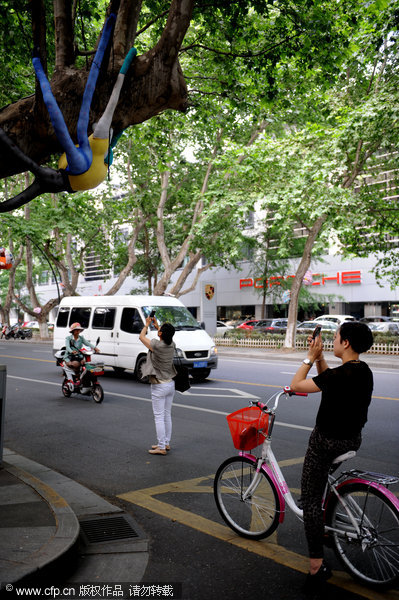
52	528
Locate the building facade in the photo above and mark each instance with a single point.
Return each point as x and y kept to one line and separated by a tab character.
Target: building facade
339	286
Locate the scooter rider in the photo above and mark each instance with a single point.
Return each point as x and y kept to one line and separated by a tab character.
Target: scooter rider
73	343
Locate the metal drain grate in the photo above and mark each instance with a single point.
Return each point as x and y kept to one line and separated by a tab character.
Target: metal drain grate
107	529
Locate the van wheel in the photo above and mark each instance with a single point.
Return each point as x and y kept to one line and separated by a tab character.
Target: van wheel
139	370
200	374
119	370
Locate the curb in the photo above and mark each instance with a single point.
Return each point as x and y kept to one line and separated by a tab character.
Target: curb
90	538
67	524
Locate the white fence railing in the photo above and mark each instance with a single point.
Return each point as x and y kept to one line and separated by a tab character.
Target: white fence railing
248	342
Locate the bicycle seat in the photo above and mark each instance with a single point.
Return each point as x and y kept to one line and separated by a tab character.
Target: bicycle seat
342	457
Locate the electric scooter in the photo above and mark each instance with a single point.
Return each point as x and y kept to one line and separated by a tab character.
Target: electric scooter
85	382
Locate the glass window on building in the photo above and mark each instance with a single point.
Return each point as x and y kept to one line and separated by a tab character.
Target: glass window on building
43	278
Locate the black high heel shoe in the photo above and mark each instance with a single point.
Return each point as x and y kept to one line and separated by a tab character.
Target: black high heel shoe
315	583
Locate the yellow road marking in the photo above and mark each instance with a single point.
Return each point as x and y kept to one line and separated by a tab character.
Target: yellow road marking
268	549
279	387
26	358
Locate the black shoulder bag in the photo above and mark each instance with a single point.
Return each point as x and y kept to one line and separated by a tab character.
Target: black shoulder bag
181	378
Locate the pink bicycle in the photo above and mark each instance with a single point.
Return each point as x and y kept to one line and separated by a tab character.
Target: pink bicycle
361	515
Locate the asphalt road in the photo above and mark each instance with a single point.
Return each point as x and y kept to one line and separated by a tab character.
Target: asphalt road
104	447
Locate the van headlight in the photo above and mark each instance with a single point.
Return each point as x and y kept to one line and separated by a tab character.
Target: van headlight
214	351
179	353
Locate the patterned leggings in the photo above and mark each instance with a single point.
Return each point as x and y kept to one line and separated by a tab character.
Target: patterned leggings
319	456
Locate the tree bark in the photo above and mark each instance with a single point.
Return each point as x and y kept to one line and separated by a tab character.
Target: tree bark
132	258
297	282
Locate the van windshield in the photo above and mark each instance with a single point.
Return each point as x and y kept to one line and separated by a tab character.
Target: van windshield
178	316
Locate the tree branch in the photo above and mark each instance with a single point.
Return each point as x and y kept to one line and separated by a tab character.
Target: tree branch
249	54
194	283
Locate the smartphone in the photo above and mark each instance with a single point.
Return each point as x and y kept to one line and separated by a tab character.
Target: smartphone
152	314
316	332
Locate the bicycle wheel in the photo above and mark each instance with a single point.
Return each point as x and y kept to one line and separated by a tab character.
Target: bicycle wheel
373	555
256	516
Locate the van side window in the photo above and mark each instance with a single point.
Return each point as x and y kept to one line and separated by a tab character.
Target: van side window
62	317
103	318
81	315
131	322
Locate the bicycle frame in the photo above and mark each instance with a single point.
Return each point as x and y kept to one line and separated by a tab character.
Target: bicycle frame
268	463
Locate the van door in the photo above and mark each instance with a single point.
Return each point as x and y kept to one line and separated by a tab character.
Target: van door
103	327
128	345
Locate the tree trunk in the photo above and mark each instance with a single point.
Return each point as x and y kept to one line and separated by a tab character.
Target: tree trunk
132	259
297	281
5	311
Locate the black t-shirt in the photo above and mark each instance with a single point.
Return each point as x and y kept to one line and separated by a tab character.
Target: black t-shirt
346	395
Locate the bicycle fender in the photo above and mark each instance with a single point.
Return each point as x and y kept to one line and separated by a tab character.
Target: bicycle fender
270	473
375	485
372	484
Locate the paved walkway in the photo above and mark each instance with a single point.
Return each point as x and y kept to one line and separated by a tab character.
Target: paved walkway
46	517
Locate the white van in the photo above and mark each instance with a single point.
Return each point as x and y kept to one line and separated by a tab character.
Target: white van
118	321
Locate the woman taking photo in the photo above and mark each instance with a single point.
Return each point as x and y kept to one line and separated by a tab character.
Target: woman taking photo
160	369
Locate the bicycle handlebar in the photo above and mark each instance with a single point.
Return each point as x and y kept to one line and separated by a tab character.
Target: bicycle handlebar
286	390
291	392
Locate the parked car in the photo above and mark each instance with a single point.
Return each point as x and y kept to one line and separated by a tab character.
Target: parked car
375	319
35	325
384	327
31	324
308	326
222	328
339	319
250	324
271	325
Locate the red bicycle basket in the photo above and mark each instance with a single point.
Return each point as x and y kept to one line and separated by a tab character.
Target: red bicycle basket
248	427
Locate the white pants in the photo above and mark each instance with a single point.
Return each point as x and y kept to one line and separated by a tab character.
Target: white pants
162	398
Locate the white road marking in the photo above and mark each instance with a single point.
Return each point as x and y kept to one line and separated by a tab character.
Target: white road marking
175	404
203	392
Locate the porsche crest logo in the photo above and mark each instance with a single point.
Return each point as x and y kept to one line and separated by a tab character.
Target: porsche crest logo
209	291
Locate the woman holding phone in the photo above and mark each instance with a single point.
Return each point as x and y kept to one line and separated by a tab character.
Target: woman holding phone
345	398
160	369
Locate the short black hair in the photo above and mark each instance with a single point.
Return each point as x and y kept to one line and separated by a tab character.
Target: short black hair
168	331
357	334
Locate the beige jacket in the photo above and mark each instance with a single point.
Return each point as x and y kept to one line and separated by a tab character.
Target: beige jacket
159	365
